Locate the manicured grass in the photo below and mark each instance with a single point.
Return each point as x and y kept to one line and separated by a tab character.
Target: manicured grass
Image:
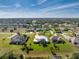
37	47
67	47
5	35
4	44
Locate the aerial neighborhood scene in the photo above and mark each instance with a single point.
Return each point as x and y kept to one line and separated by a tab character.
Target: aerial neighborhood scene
50	38
39	29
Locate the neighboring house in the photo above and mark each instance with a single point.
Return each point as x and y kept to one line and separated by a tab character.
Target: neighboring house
54	38
75	40
57	39
77	34
39	38
57	57
19	40
38	29
31	30
67	37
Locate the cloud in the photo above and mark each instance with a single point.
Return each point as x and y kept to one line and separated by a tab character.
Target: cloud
18	14
56	11
41	2
61	7
68	6
33	5
4	6
51	5
28	14
17	5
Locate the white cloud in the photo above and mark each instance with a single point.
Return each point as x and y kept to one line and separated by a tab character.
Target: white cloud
28	14
68	6
60	7
33	4
4	6
41	2
17	5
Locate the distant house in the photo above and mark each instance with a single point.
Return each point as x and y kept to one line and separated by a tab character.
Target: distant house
31	30
57	57
67	37
19	40
60	32
77	34
54	38
40	38
75	40
69	26
38	29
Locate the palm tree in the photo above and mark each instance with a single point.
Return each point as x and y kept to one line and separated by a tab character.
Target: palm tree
11	30
43	42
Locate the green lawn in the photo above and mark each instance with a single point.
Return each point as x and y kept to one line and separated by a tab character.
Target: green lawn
67	47
38	47
5	46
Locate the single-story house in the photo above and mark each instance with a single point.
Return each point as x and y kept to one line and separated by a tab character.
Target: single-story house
74	40
57	57
39	38
54	38
30	29
38	29
67	37
77	34
19	40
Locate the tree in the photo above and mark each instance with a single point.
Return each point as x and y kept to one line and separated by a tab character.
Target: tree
11	30
25	48
21	56
18	33
2	30
5	28
24	36
11	56
15	28
43	42
75	56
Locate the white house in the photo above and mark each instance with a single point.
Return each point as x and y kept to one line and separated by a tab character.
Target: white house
67	37
75	40
72	39
77	34
38	38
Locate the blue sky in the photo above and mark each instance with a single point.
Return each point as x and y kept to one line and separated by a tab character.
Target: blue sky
39	8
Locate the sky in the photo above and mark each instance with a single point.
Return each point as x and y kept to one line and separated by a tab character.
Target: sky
39	8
